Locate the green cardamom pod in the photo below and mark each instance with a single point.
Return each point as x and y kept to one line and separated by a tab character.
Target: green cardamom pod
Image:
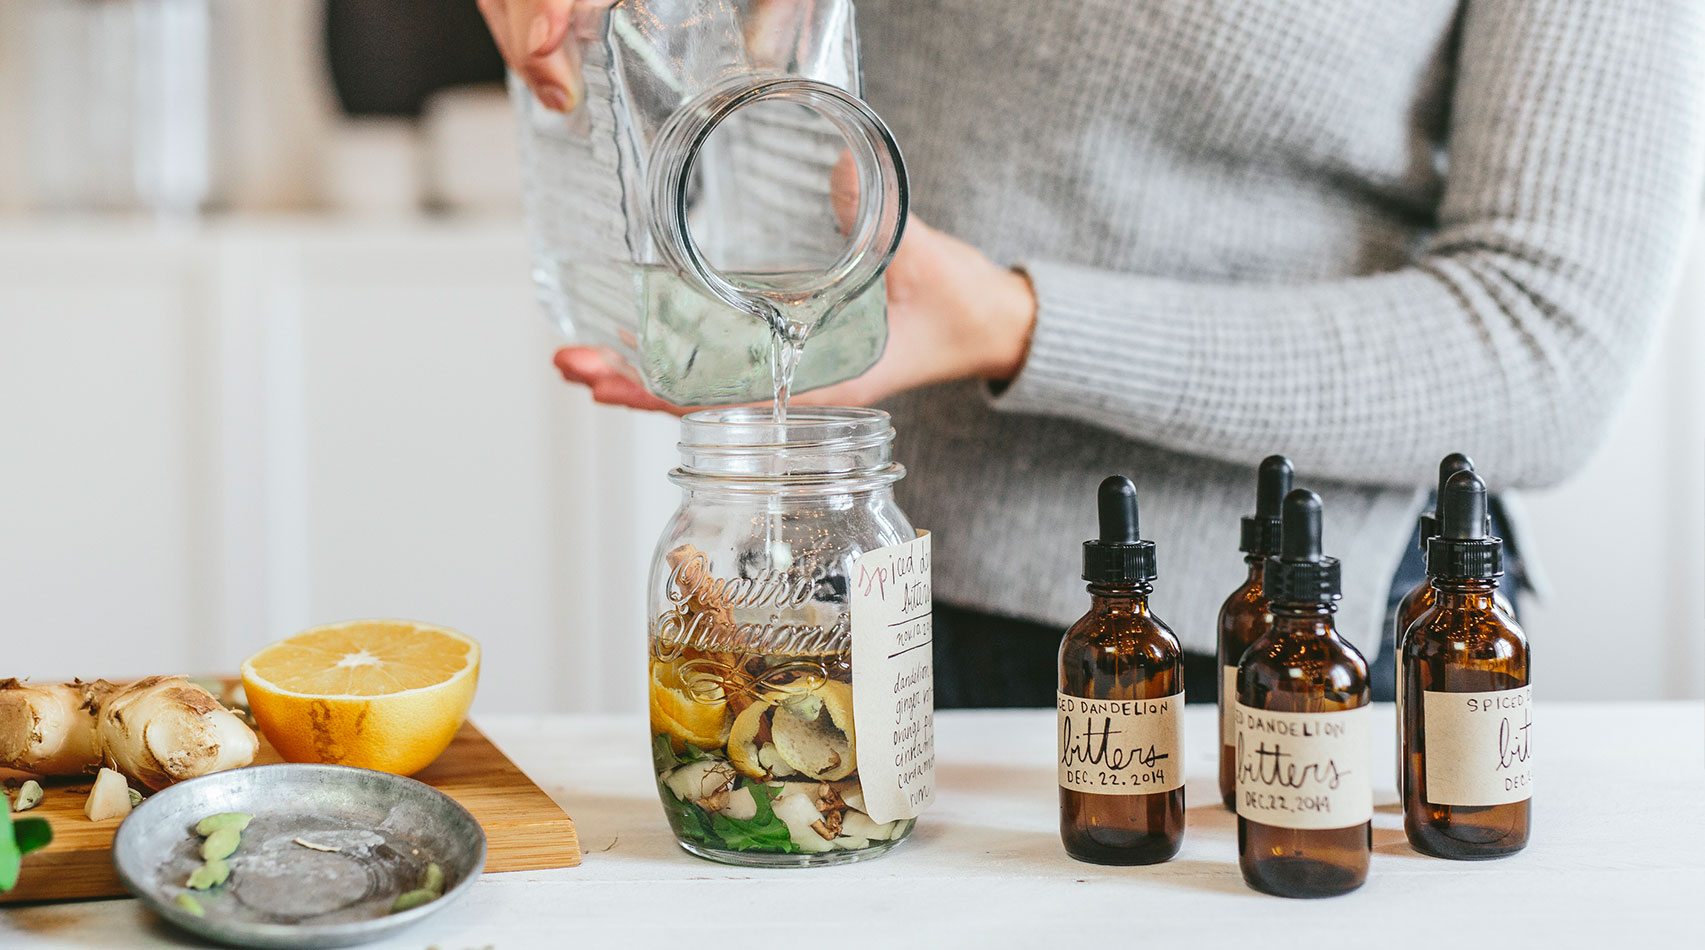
221	844
210	874
235	820
409	900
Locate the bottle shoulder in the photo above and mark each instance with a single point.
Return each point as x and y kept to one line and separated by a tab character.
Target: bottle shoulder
1416	602
1129	634
1247	597
1325	665
1243	619
1457	651
1444	627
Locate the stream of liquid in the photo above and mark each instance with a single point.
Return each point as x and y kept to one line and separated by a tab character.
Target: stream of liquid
787	345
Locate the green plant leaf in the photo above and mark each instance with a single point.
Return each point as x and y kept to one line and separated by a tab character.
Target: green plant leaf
762	832
662	754
33	834
688	819
664	757
11	859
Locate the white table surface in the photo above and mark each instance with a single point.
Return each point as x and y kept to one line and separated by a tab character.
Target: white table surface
1618	853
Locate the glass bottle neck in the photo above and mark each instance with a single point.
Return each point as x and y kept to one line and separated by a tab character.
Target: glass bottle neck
1303	620
1256	564
1132	599
1475	594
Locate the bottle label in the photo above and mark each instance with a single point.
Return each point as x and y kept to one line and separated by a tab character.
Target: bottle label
1121	746
893	687
1228	699
1303	770
1478	746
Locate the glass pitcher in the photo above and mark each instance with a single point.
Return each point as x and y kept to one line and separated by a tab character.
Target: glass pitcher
719	188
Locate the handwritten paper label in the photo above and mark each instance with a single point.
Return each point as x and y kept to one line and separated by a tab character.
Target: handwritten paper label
894	679
1478	746
1303	770
1121	746
1228	699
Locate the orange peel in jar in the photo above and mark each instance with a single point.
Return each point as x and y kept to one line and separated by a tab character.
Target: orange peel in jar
687	715
813	733
743	741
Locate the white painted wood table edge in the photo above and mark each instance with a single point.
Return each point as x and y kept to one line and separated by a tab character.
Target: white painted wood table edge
1618	852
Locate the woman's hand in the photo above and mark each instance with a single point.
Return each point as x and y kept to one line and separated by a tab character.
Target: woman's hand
539	41
953	314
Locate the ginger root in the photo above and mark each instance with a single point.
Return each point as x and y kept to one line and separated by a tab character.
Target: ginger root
155	731
165	729
49	729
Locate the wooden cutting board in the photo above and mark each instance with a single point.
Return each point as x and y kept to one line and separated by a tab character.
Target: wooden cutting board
524	829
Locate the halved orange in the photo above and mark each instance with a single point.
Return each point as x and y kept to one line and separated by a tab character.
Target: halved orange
375	694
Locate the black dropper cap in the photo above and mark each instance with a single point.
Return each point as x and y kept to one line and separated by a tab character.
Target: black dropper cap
1120	555
1262	529
1299	573
1428	524
1464	549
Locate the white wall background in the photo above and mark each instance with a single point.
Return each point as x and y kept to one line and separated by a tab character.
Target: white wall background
211	439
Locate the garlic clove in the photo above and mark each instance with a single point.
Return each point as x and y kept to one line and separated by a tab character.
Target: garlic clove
699	780
798	811
859	825
109	798
741	805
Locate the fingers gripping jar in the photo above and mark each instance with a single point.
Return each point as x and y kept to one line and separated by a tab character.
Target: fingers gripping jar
791	685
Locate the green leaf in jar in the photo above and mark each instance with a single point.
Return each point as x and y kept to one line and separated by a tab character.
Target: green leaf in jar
664	757
762	832
688	819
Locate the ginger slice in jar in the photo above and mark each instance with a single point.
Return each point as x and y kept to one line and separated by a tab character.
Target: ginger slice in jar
814	732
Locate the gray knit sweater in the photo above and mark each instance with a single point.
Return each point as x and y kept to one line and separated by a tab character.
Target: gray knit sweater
1363	233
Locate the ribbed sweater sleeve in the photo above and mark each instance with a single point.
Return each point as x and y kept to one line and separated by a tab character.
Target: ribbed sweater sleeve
1574	145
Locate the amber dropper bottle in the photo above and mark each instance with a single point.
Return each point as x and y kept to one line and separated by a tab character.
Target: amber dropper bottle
1420	597
1304	799
1121	700
1467	709
1244	617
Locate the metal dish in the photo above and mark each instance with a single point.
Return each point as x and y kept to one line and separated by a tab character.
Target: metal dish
385	828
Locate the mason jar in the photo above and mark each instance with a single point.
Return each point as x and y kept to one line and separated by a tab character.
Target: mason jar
791	684
718	185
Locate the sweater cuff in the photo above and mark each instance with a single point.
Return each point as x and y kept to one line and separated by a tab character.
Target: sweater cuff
1096	354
